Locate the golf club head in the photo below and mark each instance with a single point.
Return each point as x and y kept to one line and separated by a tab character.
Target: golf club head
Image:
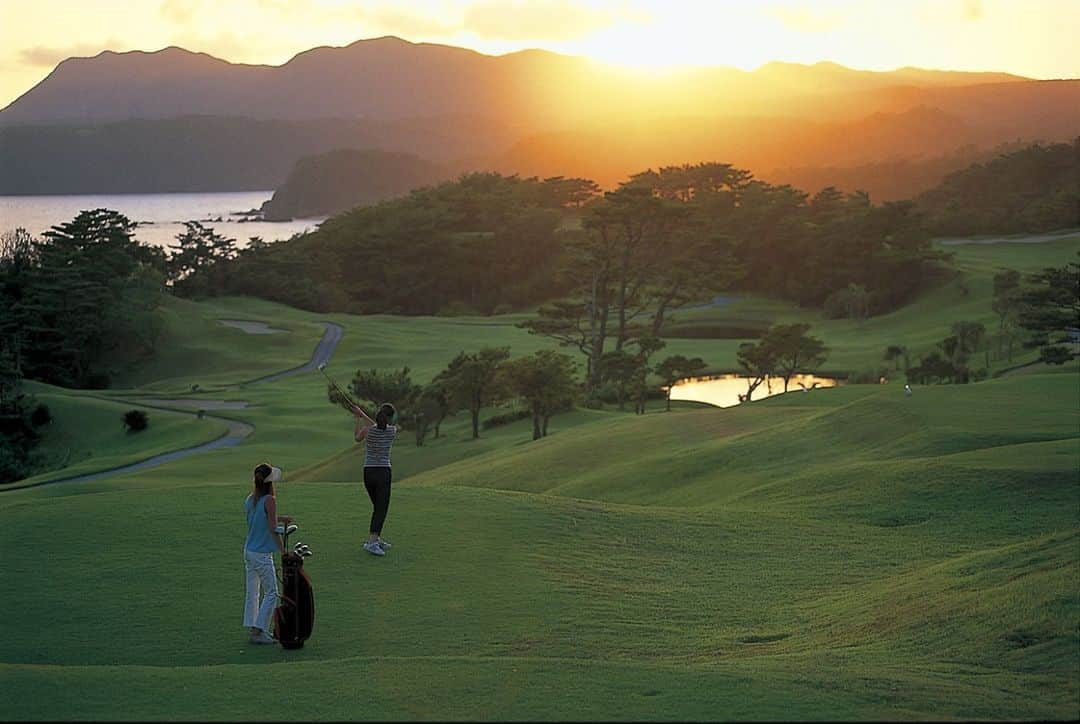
291	528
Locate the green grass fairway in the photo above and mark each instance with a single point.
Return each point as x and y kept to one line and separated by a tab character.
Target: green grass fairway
87	434
849	553
859	346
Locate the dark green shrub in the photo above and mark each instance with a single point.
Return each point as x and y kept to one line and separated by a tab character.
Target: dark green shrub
41	415
135	420
505	418
1055	355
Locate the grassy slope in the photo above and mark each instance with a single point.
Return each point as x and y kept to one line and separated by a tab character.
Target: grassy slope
87	434
905	576
857	346
847	553
197	348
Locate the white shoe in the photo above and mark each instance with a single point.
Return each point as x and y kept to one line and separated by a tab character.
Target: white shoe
384	544
374	548
262	638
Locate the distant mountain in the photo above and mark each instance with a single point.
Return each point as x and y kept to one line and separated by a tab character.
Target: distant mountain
339	180
174	120
756	143
389	78
380	79
890	179
214	154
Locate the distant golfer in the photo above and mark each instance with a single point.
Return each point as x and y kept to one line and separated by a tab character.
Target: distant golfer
378	436
907	390
261	509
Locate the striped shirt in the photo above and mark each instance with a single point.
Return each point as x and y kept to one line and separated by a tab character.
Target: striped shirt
378	443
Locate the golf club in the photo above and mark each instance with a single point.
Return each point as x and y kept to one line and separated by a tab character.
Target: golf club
344	395
285	531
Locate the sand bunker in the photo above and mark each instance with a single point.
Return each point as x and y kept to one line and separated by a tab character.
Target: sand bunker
251	327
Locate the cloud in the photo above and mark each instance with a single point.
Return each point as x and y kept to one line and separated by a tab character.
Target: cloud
41	55
181	11
397	21
235	47
806	20
544	19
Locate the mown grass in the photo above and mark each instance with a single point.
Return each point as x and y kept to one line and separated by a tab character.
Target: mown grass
849	553
87	434
859	346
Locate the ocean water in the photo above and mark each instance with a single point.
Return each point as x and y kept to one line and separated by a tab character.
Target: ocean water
160	217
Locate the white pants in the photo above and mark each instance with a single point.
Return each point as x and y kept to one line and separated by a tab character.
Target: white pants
259	574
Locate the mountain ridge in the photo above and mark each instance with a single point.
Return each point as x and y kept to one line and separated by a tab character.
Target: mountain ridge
389	77
177	120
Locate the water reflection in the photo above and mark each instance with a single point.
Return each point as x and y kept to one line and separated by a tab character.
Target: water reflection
728	390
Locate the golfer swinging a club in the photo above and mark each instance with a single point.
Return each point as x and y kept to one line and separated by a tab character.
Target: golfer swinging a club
378	436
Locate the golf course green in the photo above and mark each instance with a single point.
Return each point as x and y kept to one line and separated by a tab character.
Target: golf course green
850	553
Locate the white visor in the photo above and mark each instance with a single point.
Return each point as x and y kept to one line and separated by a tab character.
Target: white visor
275	474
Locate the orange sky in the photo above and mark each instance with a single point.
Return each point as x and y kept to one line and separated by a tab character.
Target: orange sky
1028	37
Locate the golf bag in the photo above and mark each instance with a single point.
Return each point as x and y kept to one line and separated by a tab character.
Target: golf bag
295	616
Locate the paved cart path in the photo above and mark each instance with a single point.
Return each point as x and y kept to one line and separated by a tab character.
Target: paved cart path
238	431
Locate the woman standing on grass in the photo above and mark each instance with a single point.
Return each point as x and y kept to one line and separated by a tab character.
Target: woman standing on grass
261	509
378	436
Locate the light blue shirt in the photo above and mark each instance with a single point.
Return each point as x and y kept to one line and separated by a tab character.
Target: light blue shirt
260	537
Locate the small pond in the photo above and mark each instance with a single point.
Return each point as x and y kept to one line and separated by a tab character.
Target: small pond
727	390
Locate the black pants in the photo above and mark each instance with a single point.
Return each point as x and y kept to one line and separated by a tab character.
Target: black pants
377	482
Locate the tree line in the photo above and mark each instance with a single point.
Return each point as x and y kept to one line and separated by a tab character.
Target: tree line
670	237
544	383
1033	189
489	243
79	298
481	244
71	304
1042	314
